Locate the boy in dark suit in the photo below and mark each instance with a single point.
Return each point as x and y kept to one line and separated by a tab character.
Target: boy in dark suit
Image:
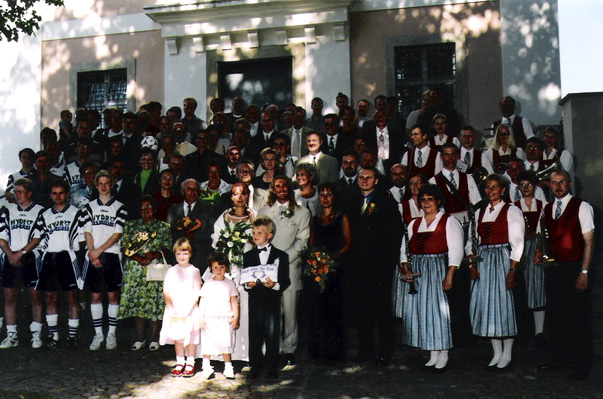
265	299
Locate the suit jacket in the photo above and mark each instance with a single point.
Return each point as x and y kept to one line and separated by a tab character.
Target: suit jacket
258	143
328	167
252	258
304	135
343	143
291	235
397	140
201	238
131	192
377	236
196	164
345	192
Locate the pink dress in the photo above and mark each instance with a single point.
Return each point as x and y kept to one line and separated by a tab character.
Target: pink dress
218	337
181	283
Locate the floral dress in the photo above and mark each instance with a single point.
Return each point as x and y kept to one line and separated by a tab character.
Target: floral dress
139	297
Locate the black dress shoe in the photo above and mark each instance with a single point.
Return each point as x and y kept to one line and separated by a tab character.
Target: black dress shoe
273	373
290	359
382	362
255	373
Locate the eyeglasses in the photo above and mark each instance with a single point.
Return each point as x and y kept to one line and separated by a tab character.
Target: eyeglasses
559	182
524	185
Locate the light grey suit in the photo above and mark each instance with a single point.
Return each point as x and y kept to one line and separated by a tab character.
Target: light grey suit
291	235
304	135
328	167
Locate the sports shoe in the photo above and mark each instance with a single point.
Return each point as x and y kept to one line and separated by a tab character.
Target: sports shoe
36	340
52	343
229	372
207	372
96	342
10	341
111	341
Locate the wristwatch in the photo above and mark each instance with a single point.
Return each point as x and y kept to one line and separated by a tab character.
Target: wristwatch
24	251
584	271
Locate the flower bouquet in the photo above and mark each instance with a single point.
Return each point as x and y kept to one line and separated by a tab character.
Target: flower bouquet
317	265
188	224
232	241
213	197
138	243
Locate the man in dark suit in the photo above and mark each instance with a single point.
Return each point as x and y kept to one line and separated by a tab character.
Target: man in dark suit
298	133
377	231
265	298
335	143
196	163
347	186
199	233
264	137
387	138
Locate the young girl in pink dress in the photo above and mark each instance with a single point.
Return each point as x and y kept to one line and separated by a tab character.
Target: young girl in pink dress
219	311
181	289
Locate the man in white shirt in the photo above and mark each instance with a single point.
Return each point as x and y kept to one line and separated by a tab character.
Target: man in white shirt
328	167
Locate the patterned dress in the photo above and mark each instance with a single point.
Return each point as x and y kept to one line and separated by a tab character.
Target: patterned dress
139	297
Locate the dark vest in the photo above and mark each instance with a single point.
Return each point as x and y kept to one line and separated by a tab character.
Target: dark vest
428	168
429	242
453	204
406	212
497	232
476	162
565	235
531	218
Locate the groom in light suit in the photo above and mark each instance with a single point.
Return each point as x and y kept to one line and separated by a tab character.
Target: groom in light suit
328	167
194	208
291	235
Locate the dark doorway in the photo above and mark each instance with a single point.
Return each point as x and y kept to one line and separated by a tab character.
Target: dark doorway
269	80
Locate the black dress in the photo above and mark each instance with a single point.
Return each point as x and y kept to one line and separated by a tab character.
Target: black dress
326	309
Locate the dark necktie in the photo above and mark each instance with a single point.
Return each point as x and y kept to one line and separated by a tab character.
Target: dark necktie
558	210
331	146
188	212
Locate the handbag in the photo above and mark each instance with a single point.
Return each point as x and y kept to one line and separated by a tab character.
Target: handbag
157	271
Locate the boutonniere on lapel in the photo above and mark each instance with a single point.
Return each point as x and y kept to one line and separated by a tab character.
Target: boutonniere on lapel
370	209
287	212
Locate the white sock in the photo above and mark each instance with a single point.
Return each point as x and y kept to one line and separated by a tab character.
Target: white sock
1	322
53	320
206	364
506	356
442	360
497	346
11	328
180	360
35	327
112	313
433	359
190	360
73	326
96	309
538	321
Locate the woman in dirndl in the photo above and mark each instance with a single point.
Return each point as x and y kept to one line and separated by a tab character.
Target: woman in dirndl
500	230
436	251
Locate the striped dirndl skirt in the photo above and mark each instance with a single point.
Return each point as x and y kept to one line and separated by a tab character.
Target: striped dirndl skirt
533	275
432	306
404	306
492	309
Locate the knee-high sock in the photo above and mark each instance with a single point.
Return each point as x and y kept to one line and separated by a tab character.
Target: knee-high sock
506	355
53	325
497	347
96	309
538	322
73	326
433	359
112	313
442	360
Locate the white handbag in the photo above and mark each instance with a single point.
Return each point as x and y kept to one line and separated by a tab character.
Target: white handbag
157	271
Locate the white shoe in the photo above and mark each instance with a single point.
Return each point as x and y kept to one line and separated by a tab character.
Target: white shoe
10	341
229	372
97	342
111	341
36	340
207	372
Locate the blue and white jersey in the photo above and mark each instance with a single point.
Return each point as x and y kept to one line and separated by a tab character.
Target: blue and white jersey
10	186
61	229
104	220
19	226
72	173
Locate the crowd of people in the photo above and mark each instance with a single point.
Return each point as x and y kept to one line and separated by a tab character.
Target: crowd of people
417	221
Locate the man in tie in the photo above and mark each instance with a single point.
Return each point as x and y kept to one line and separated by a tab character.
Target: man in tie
194	220
377	231
471	156
522	128
516	166
264	137
229	172
387	138
347	185
298	133
570	224
328	167
533	151
399	176
421	158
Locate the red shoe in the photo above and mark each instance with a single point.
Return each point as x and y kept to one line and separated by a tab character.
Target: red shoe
189	371
177	370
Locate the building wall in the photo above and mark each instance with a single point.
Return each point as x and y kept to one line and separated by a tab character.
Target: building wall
145	51
475	28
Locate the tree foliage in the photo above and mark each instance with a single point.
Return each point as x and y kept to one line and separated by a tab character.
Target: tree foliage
20	16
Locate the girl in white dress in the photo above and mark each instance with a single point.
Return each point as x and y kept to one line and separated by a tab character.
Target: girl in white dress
181	317
219	316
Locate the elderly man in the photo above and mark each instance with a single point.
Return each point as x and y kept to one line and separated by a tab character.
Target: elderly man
328	167
522	128
387	138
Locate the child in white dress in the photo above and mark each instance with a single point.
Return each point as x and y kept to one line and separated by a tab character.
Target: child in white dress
180	327
219	316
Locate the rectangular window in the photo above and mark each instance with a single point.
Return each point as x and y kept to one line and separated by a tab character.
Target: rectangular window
101	89
423	67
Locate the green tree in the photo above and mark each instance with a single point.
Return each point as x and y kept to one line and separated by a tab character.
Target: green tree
20	16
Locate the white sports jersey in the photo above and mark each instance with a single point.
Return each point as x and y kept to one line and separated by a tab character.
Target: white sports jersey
72	173
10	186
61	229
104	220
19	226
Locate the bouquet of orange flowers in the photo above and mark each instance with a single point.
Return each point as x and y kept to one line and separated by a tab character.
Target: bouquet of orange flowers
318	264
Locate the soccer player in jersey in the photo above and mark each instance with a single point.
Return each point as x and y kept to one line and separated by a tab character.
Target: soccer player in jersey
21	231
103	222
59	263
